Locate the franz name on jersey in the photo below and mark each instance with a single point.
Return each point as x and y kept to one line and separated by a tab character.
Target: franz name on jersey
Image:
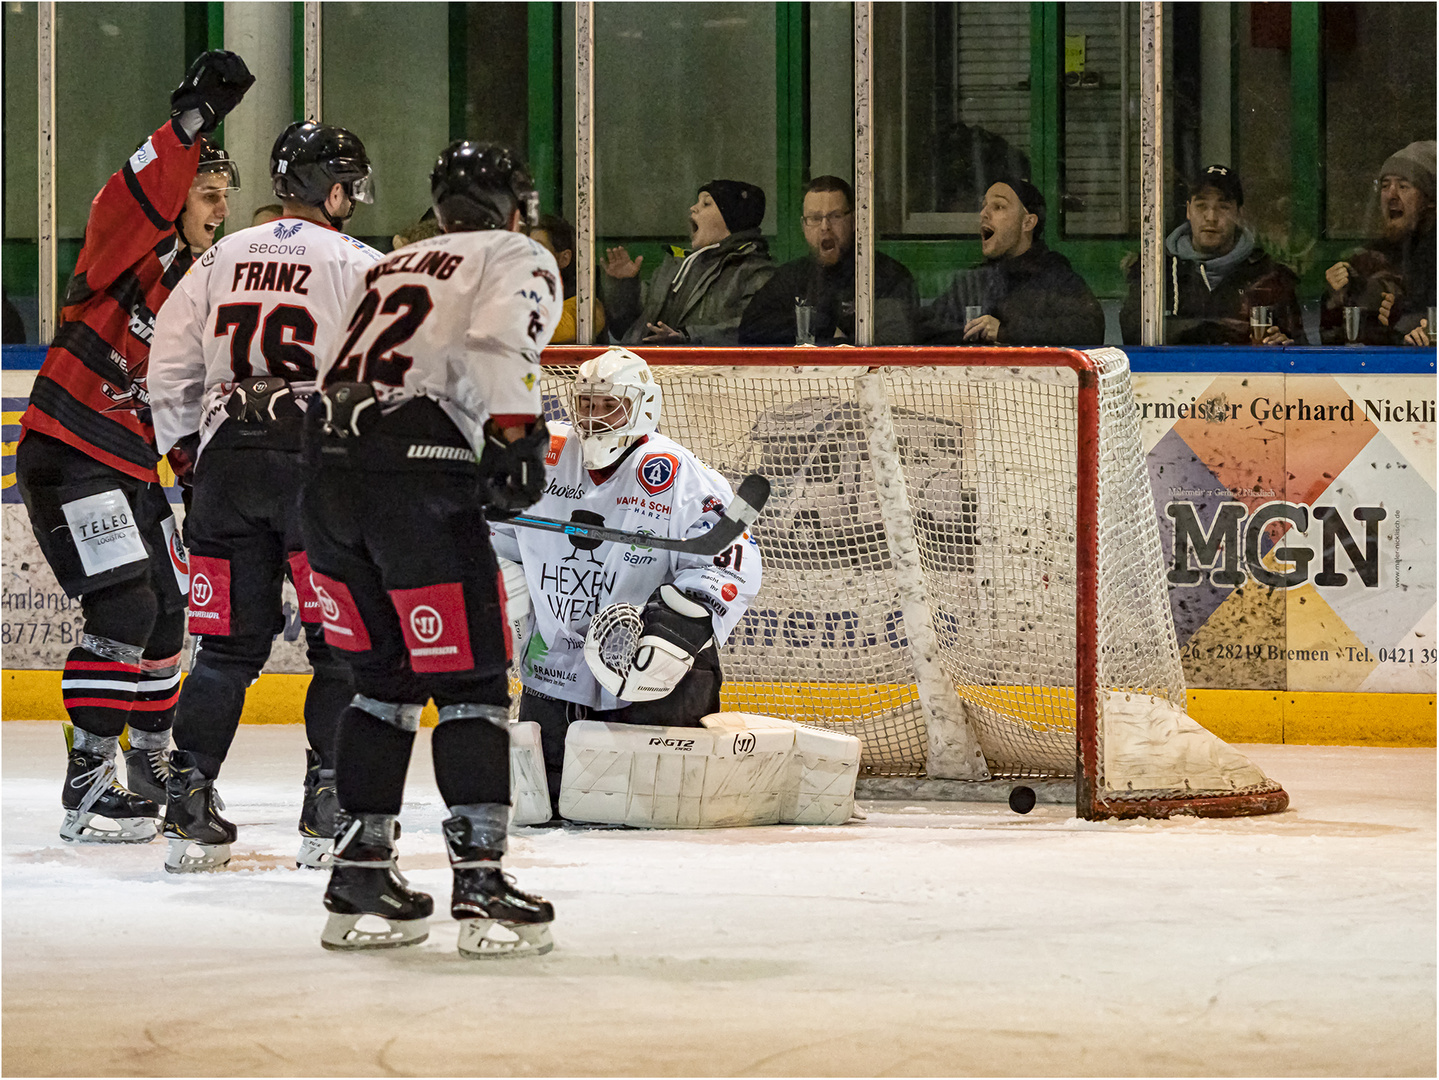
268	300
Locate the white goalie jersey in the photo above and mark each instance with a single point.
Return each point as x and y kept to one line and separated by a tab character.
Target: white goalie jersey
268	300
659	488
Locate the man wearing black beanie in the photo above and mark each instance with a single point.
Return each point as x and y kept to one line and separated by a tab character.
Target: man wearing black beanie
1026	294
695	297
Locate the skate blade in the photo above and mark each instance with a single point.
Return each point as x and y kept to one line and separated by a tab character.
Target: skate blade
316	853
190	857
478	941
343	935
79	828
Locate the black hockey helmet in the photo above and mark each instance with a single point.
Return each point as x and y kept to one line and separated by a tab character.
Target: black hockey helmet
215	159
476	186
308	159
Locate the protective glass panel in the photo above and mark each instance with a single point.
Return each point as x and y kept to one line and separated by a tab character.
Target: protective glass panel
684	94
21	271
952	111
116	66
1100	128
403	129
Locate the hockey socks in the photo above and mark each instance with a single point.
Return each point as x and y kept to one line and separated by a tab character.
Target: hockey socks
100	684
373	755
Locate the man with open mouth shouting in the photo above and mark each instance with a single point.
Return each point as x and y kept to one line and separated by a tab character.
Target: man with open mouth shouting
1023	293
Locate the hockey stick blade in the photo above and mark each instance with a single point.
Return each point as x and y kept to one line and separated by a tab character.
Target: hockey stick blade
741	513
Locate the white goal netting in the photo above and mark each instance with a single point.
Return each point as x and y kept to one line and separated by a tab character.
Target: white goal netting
921	585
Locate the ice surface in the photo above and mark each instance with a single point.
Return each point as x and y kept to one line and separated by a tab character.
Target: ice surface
939	939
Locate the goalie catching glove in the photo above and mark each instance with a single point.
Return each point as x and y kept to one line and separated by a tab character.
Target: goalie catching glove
642	654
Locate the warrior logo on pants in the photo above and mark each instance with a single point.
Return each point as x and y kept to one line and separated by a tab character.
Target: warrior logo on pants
426	624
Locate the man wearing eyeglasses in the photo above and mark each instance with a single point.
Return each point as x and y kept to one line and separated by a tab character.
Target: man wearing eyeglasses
823	281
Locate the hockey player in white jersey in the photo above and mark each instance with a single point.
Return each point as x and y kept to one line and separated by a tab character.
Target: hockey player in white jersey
614	468
440	365
232	365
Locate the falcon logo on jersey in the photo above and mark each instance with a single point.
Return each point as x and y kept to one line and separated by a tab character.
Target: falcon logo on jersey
284	232
657	472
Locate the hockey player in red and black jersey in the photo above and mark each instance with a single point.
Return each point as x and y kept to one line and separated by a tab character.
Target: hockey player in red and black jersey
441	366
232	366
86	463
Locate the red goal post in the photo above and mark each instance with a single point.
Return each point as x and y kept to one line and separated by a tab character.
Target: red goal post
993	504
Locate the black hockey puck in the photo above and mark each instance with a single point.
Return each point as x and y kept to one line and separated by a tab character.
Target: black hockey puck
1021	799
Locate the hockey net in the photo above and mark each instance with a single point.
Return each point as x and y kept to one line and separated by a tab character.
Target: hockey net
962	566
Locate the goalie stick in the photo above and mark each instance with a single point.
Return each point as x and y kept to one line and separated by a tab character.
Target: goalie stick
742	511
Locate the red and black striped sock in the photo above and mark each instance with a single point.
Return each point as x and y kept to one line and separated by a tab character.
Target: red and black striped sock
99	690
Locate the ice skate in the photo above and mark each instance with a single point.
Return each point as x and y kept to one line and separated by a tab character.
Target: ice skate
364	881
97	809
147	763
318	821
199	837
497	920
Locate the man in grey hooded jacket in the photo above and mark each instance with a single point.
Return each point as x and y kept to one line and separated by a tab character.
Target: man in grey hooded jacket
1215	272
694	298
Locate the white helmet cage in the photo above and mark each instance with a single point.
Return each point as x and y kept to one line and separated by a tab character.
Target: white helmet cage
616	373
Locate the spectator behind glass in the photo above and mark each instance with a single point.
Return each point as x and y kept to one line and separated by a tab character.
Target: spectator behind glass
696	298
266	214
1026	293
1214	272
824	281
423	229
558	236
1393	280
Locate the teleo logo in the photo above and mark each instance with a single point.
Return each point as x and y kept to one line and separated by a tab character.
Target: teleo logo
425	621
657	472
201	591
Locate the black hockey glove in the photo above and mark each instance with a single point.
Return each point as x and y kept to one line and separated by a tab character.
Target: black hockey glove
214	85
512	474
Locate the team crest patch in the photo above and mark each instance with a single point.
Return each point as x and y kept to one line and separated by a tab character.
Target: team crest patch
657	472
284	232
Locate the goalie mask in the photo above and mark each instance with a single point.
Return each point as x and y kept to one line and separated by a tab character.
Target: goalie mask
614	403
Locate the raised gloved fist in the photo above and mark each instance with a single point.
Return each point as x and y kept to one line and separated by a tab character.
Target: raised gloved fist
214	85
675	628
512	474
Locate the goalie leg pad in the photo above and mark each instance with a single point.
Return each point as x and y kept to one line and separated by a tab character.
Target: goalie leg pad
677	778
529	790
823	768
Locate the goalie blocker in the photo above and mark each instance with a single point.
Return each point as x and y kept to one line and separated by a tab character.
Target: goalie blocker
736	769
